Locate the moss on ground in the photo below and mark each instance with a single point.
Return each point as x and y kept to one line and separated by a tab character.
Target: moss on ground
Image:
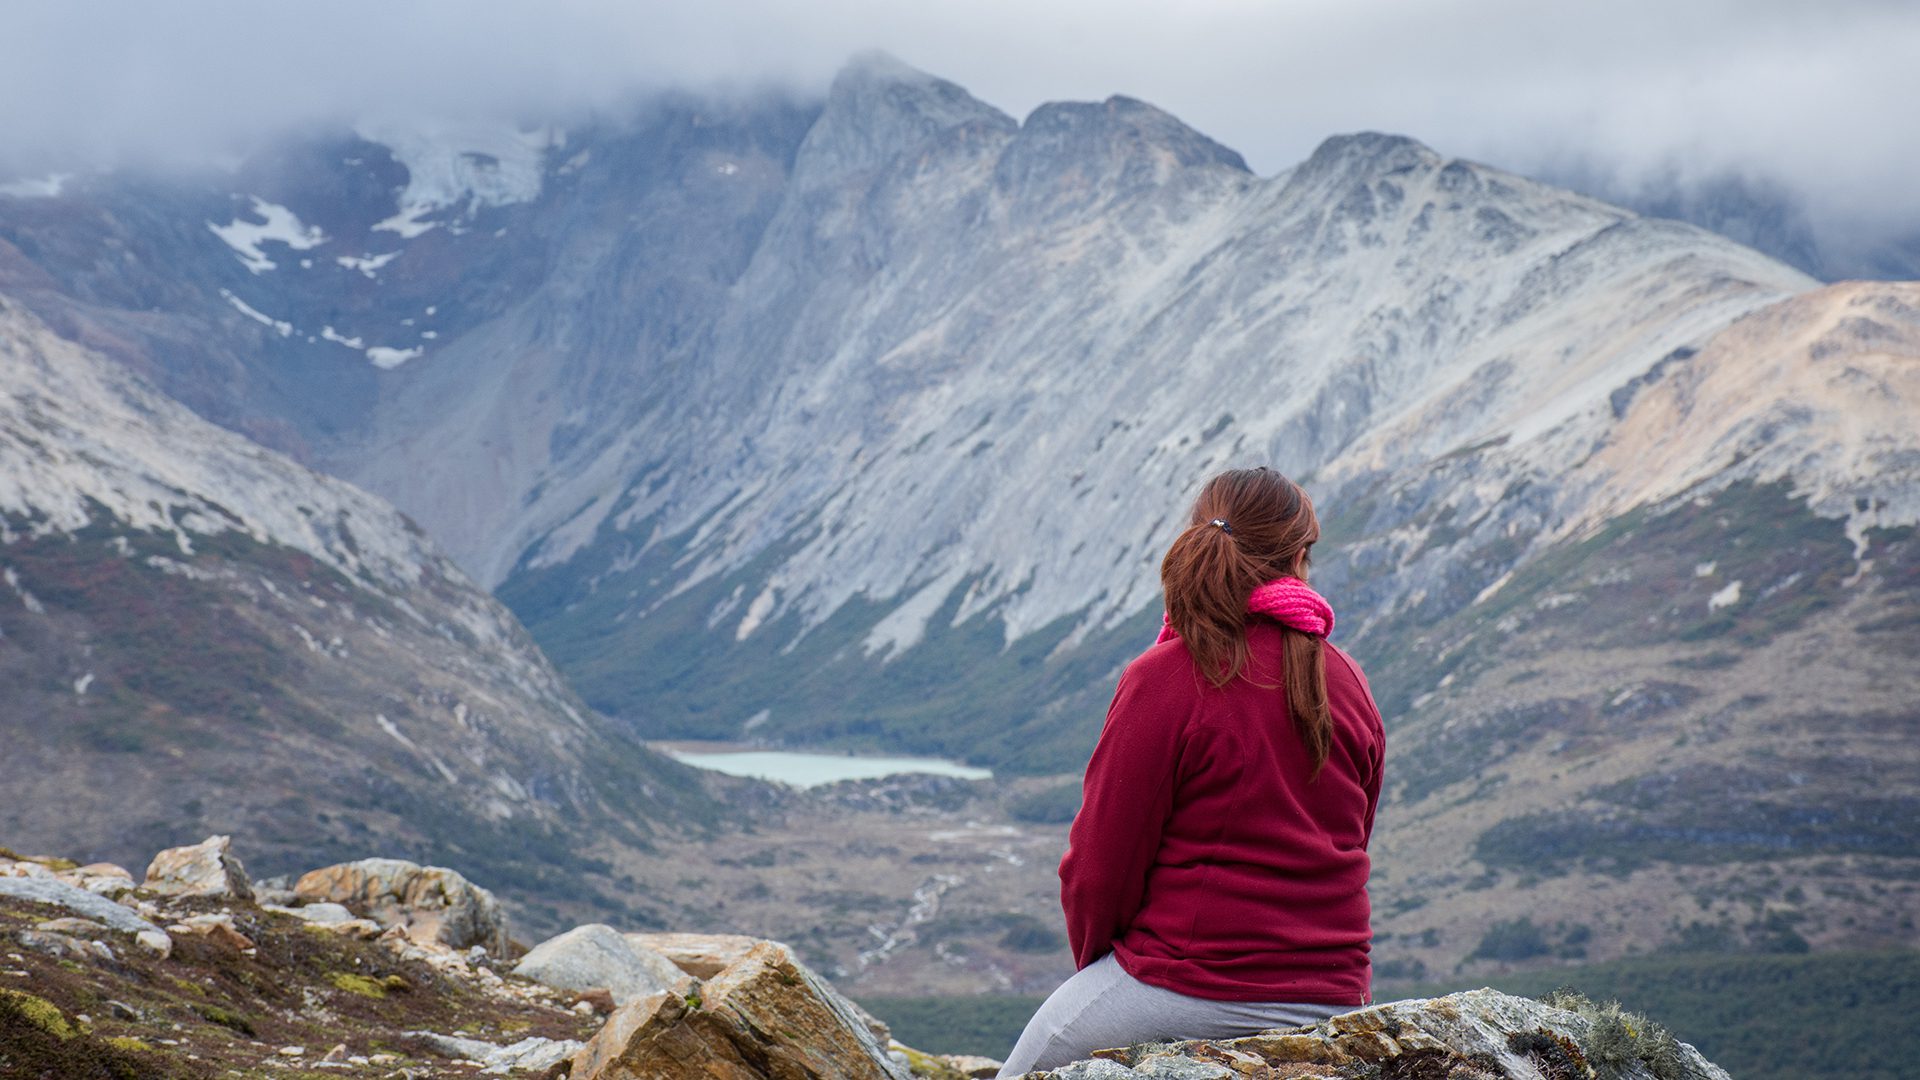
39	1012
358	984
231	1009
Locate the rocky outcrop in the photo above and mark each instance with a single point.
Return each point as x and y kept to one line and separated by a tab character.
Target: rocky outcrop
598	957
231	987
1478	1035
434	905
724	1007
764	1016
207	868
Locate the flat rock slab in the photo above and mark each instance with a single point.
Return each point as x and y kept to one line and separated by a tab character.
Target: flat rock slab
77	900
533	1054
700	955
598	957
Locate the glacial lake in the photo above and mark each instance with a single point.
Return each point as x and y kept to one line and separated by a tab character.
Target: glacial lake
804	769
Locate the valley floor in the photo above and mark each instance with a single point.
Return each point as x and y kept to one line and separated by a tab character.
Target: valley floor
930	886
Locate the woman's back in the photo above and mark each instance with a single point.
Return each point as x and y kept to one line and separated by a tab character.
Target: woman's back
1215	881
1208	856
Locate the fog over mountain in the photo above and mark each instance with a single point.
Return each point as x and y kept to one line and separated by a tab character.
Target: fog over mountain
1804	97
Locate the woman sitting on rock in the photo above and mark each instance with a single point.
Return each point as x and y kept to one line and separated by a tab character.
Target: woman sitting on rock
1215	881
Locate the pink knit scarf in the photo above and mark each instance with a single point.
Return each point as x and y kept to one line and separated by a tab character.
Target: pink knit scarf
1287	599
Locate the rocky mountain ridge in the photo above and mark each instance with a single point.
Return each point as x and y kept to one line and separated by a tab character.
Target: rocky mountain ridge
246	968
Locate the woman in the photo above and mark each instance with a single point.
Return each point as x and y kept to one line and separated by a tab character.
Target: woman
1215	881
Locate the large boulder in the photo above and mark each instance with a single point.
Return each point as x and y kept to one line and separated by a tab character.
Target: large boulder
432	904
767	1015
598	957
1477	1035
207	868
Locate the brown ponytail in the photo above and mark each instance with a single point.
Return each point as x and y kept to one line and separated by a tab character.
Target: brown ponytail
1248	527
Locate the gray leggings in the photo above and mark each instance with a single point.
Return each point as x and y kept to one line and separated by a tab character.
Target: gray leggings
1103	1007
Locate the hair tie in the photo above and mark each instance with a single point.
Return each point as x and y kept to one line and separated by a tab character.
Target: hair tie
1221	524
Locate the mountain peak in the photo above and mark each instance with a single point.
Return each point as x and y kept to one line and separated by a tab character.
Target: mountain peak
1085	126
879	65
880	106
1372	152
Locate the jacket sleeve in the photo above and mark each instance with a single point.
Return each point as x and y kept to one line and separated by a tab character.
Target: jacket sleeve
1126	798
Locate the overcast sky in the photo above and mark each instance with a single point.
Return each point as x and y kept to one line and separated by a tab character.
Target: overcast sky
1821	95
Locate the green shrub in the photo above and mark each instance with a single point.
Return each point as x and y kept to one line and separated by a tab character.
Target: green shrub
1030	935
1617	1039
1514	939
1048	806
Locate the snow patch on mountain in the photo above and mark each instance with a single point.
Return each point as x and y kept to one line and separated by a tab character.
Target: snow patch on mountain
368	265
461	166
277	225
42	187
328	333
407	223
279	326
386	358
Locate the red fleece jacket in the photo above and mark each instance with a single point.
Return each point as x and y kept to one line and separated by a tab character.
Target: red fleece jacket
1203	858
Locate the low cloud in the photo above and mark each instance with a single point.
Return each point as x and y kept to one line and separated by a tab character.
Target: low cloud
1816	97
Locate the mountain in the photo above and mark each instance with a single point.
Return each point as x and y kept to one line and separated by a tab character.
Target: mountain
198	635
865	421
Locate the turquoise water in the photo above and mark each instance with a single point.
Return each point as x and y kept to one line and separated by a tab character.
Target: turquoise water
806	770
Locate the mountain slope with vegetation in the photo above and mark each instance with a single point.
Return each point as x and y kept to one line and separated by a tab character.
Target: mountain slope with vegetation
197	634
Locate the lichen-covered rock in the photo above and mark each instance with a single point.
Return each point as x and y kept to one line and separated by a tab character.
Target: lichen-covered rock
64	946
1477	1035
971	1066
925	1066
700	955
21	868
598	957
72	924
431	903
765	1015
208	868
